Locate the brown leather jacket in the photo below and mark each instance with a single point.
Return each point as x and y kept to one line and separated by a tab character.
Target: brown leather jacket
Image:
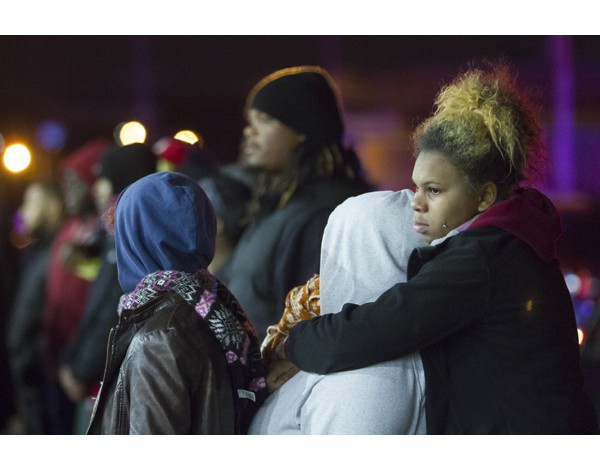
165	374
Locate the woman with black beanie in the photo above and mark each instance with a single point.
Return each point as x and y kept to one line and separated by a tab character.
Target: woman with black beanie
293	139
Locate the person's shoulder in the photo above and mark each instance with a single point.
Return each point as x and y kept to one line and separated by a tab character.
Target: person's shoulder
489	238
474	245
174	323
487	245
159	314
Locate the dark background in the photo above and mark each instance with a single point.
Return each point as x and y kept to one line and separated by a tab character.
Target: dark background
388	83
91	83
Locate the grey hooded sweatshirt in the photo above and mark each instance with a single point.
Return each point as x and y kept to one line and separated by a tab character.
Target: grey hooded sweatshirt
365	250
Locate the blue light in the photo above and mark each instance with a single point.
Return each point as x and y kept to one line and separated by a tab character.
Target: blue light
51	136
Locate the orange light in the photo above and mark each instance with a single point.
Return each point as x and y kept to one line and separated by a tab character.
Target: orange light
17	158
189	137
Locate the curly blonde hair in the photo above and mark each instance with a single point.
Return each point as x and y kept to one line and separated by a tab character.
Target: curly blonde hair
487	127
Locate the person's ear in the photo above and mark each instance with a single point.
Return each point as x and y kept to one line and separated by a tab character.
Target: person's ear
487	196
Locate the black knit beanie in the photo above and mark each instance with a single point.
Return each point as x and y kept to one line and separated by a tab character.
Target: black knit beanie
123	166
303	98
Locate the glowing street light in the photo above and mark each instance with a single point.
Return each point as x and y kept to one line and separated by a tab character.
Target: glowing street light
130	133
189	136
17	158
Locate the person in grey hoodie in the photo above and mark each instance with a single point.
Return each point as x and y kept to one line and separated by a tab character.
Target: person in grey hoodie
385	398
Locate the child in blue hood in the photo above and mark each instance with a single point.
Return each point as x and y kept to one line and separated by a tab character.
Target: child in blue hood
184	358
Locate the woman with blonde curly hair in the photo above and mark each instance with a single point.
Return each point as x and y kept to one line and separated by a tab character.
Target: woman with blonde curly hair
485	303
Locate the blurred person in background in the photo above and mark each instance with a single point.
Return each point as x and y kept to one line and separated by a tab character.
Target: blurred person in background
83	360
294	139
42	214
8	276
184	358
192	160
74	264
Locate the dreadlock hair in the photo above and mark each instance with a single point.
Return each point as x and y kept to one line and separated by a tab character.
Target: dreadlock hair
487	128
311	160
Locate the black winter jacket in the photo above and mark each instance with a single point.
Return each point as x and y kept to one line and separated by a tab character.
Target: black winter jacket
282	249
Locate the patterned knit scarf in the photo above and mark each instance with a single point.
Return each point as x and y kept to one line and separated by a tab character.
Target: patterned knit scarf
228	323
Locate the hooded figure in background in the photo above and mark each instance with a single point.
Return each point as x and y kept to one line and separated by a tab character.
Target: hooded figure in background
74	264
82	364
183	358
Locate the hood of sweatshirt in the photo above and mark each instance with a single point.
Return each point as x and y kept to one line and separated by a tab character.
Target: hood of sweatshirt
529	215
379	220
163	221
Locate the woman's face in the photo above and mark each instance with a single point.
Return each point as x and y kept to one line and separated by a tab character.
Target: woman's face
442	197
268	143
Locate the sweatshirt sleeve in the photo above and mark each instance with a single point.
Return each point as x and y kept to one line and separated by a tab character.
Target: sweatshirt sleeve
448	294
